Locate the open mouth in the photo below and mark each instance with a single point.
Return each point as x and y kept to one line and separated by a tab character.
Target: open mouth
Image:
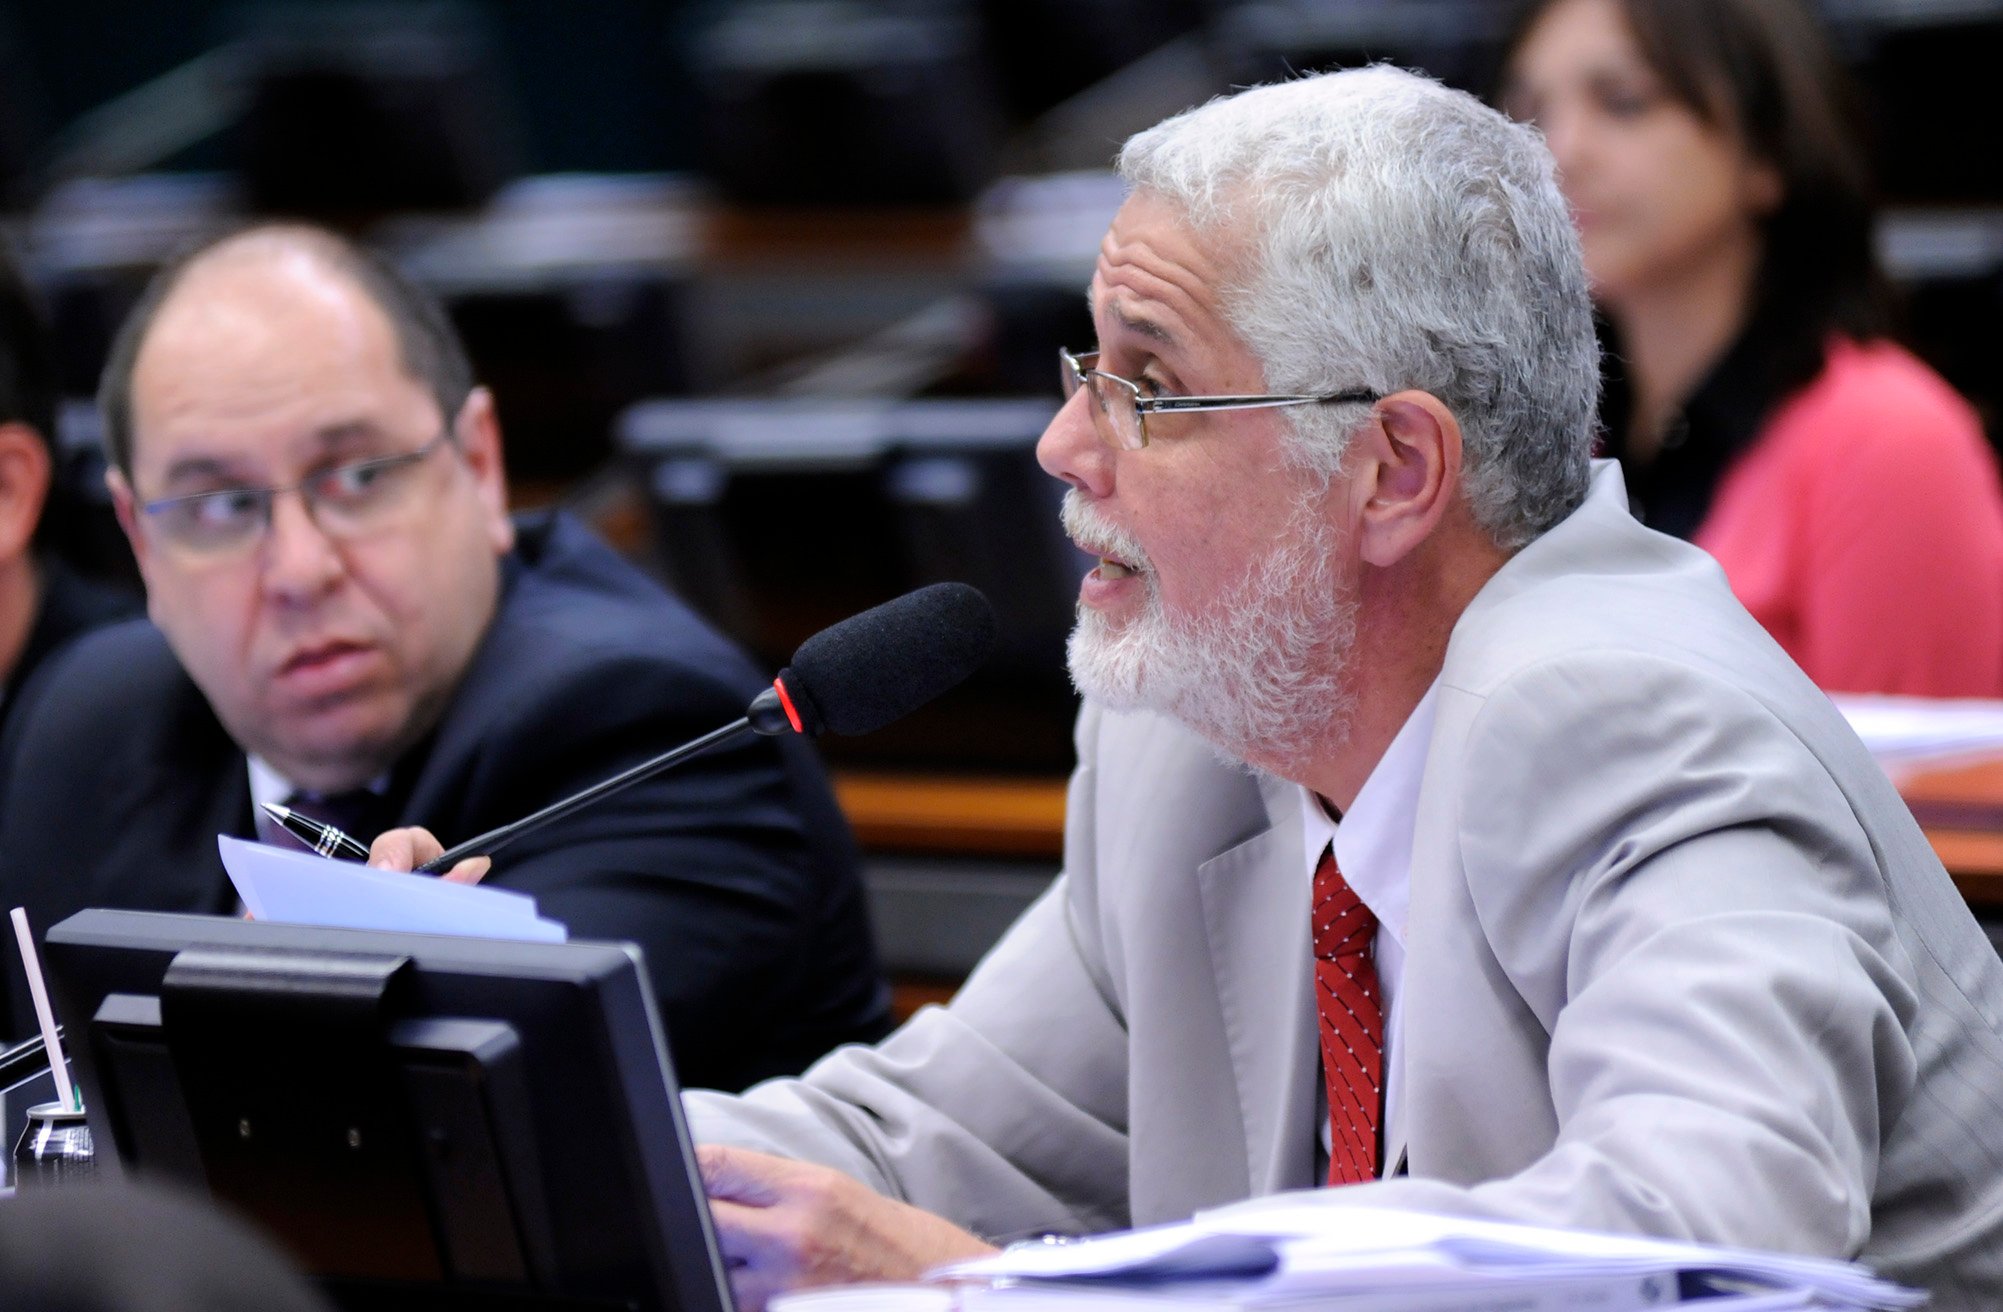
1109	568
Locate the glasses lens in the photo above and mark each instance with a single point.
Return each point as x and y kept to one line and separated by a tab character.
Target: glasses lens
354	498
1116	397
213	523
1113	407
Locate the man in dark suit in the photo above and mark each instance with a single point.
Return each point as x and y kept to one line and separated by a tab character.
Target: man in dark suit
347	617
43	602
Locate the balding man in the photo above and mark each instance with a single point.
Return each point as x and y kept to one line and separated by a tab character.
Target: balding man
345	616
1553	891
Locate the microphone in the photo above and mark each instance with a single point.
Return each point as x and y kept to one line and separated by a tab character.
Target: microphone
851	678
877	667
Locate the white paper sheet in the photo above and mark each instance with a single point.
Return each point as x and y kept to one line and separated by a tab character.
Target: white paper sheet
1906	729
298	888
1374	1251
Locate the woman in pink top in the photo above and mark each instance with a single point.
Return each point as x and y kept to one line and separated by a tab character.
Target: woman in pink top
1756	404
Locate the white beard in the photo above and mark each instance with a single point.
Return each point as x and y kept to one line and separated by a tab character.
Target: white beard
1260	678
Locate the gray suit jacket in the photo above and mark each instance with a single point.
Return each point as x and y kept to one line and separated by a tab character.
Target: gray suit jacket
1679	961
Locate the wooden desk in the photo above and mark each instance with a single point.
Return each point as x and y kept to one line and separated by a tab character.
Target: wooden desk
1960	807
967	815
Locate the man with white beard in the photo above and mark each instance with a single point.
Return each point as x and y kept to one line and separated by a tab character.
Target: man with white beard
1553	891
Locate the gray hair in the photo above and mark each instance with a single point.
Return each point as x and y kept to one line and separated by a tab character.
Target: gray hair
1402	235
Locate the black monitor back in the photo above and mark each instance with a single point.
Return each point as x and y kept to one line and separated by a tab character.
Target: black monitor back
423	1120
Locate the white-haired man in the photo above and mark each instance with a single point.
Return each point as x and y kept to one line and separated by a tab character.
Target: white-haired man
1620	926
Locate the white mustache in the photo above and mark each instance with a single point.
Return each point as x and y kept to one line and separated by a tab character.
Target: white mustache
1086	525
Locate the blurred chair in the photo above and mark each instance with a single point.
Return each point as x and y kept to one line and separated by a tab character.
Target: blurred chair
1928	70
842	102
564	355
778	518
356	110
1454	40
23	116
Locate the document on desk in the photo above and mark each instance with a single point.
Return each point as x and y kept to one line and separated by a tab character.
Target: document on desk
1288	1252
299	888
1903	729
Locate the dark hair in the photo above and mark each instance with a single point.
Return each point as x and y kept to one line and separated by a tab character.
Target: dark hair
27	374
28	381
1765	71
427	344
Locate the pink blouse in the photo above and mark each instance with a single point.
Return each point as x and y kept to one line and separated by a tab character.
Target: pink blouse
1864	529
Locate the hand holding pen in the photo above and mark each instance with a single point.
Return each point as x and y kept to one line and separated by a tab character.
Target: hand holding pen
326	840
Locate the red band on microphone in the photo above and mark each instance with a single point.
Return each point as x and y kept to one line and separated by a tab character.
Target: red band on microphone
785	700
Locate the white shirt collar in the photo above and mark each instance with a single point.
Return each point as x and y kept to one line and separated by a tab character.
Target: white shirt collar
1373	844
267	785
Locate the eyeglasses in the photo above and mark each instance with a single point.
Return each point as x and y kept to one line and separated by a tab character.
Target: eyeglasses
1126	411
344	501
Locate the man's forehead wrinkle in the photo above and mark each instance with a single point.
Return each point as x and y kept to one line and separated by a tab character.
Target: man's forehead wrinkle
1147	297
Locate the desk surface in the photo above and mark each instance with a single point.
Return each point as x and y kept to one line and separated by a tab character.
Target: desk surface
1960	806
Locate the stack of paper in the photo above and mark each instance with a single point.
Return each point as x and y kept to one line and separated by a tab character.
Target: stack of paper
299	888
1286	1253
1902	729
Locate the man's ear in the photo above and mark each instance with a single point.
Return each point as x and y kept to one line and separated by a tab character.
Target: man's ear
125	505
479	433
25	470
1405	472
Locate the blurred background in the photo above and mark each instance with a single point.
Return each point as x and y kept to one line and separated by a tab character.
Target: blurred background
769	290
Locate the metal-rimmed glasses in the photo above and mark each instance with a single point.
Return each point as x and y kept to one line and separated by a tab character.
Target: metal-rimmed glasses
1126	410
344	501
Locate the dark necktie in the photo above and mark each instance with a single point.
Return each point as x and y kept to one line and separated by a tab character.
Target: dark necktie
358	813
1352	1023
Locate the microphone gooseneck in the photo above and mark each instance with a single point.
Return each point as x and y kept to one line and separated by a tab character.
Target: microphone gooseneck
850	678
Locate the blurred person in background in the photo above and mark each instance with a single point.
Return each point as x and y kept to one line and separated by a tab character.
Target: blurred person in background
43	601
1708	151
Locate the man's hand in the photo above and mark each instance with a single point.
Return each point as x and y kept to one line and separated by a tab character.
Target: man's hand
786	1225
407	849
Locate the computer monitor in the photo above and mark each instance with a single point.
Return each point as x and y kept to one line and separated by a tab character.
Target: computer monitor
423	1120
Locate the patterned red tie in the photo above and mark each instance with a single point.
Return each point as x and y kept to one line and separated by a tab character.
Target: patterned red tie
1352	1022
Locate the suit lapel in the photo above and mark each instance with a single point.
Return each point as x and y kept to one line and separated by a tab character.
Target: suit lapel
176	865
1255	911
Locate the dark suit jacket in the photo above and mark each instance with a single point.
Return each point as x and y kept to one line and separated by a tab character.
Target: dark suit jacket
70	604
734	871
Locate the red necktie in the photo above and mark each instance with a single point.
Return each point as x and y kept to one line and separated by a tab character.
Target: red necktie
1352	1022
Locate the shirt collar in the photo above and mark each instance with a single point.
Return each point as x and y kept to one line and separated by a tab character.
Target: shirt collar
267	785
1373	842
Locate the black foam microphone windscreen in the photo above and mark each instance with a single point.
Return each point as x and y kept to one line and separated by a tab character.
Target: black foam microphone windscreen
859	675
